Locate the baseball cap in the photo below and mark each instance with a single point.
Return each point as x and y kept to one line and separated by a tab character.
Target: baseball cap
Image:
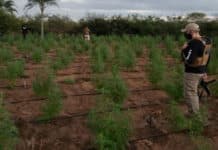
191	27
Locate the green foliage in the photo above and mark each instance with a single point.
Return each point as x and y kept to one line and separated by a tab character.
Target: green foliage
69	81
125	57
113	88
197	122
8	131
137	44
112	129
214	89
5	55
64	58
37	55
170	44
157	66
99	56
202	143
212	68
12	71
43	82
173	84
44	85
53	105
177	119
181	41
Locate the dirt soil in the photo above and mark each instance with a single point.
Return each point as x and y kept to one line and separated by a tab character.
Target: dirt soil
69	131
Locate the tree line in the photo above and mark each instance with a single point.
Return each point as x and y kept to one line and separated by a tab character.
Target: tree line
99	25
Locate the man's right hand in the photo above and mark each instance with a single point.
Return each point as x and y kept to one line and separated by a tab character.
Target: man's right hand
184	46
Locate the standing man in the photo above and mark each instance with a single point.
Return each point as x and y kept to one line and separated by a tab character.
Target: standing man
195	55
86	34
24	29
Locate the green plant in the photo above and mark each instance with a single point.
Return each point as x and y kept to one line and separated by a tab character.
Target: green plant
64	57
37	55
112	129
69	81
173	83
53	105
197	121
114	88
157	66
212	67
99	56
202	143
13	70
170	44
177	119
8	131
43	82
5	55
125	57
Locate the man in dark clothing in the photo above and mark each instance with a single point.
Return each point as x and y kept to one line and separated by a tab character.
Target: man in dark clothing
195	54
24	29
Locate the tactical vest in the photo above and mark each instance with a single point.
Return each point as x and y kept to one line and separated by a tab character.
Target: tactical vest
203	60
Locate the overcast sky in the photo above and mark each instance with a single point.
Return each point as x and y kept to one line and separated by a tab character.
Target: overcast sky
77	9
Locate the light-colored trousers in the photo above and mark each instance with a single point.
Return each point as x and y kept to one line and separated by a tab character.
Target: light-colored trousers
191	82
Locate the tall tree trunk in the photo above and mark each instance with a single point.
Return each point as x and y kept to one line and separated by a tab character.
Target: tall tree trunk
42	23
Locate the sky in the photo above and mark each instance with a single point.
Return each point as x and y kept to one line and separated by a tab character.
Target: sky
77	9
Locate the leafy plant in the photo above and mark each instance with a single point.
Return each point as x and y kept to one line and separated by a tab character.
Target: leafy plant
69	81
5	55
114	88
170	44
125	57
64	57
112	129
157	66
177	119
43	82
37	55
13	70
8	131
53	105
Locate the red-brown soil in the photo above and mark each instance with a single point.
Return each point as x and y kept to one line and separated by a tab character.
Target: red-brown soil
70	131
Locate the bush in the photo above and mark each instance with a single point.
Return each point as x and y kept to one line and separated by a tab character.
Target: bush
99	56
43	82
13	70
53	105
5	55
64	58
112	129
37	55
113	88
170	44
125	57
157	66
8	131
177	119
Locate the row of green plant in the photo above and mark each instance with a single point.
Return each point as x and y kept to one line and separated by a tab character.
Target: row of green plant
45	86
8	131
172	82
110	125
157	66
11	71
111	128
99	57
63	58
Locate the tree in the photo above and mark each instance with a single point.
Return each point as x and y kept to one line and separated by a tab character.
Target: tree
42	5
196	16
7	5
